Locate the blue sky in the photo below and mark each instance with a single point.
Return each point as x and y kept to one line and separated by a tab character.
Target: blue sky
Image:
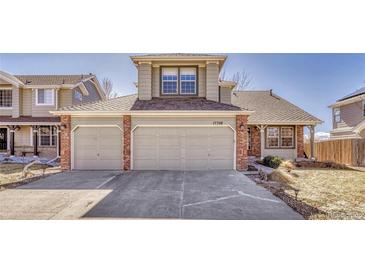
311	81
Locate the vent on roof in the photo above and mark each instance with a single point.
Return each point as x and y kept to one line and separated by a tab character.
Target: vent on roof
27	82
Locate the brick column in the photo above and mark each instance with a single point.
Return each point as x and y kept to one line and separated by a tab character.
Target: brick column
300	141
241	142
127	142
256	141
65	142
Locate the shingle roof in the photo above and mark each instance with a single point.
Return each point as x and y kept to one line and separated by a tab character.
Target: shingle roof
123	103
358	92
52	79
182	104
270	108
130	102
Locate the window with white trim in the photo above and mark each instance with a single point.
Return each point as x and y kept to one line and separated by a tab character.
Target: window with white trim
45	97
337	115
188	81
6	98
169	81
272	137
47	136
287	137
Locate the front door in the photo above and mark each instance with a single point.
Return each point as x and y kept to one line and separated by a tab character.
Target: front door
3	138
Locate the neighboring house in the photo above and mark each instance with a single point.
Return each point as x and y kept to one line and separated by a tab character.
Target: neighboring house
348	116
26	125
182	118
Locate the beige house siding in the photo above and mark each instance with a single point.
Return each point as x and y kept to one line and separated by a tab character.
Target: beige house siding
22	136
225	95
96	121
283	153
212	82
65	98
177	121
26	109
202	81
156	82
351	115
41	111
144	81
16	102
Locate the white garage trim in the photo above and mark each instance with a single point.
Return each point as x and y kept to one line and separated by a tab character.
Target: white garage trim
73	143
198	126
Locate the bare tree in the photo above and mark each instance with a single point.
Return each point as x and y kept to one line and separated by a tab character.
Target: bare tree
108	88
242	79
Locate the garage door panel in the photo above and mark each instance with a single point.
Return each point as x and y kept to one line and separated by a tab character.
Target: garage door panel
170	164
183	148
98	148
144	153
145	164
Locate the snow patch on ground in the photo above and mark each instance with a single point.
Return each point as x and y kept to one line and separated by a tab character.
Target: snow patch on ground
25	160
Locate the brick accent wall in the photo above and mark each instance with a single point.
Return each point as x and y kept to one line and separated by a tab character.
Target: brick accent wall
66	142
300	141
255	142
127	142
241	142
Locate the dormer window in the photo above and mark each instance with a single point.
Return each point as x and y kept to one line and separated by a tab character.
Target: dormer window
169	81
188	81
337	115
45	97
178	80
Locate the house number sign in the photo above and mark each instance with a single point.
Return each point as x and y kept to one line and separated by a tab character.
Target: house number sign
217	123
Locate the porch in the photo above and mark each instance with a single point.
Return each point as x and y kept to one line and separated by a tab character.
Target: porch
30	137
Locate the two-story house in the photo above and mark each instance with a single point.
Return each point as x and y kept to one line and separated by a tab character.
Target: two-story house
182	118
26	125
348	116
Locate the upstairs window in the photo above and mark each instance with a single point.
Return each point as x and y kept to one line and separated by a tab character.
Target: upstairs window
45	97
188	81
337	115
6	100
169	81
179	80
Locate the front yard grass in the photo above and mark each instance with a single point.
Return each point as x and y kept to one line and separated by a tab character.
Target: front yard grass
336	193
12	172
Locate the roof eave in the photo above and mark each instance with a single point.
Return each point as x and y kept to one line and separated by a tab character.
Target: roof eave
154	113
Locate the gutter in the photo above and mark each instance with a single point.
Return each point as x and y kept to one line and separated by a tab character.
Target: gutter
152	113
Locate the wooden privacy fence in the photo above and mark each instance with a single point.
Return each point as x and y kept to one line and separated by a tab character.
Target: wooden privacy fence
348	151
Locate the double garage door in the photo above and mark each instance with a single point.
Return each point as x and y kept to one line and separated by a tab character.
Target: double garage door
98	148
183	148
155	148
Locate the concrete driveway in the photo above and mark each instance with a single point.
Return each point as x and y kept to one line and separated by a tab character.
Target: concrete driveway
220	195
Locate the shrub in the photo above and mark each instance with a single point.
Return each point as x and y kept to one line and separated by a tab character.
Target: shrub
288	165
272	161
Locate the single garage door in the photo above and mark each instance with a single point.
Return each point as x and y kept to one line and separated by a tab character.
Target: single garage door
97	148
183	148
